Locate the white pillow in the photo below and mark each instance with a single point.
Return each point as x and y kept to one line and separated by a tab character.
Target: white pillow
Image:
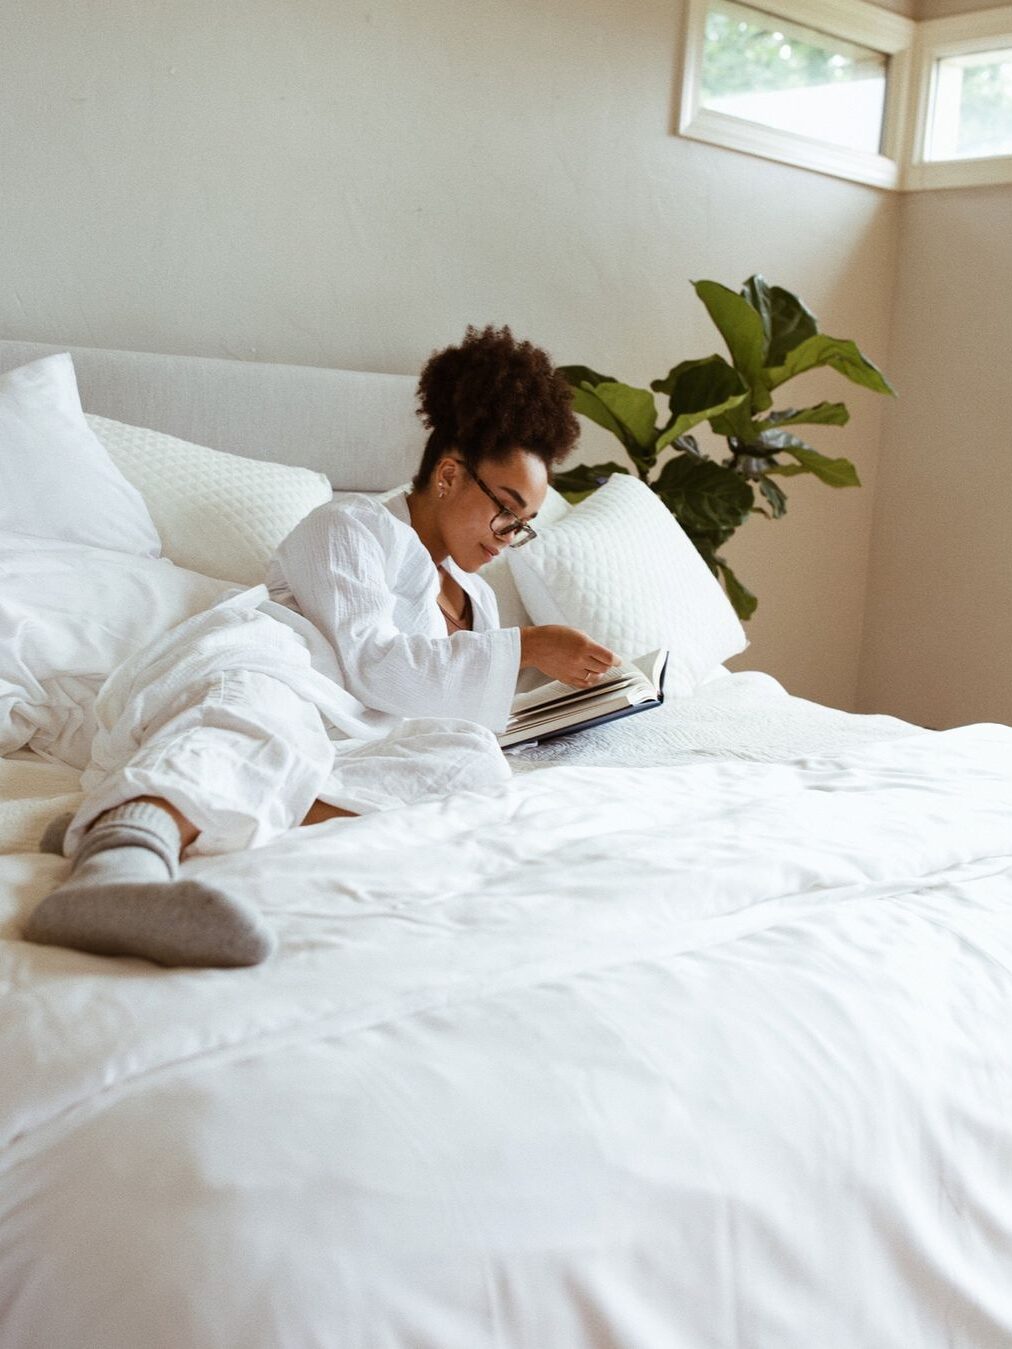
620	567
217	513
69	615
56	480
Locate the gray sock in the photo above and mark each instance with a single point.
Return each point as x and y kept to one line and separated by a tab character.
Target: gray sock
55	833
123	898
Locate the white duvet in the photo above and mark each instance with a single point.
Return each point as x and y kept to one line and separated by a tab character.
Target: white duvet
709	1054
698	1037
69	616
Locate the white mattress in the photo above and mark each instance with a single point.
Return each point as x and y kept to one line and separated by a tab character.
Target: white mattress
708	1053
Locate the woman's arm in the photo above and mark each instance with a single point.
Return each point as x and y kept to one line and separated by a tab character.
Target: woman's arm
337	563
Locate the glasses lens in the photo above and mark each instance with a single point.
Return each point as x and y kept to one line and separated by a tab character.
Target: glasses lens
516	532
521	536
505	524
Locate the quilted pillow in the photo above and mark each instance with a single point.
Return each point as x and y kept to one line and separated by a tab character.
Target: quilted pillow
217	513
620	567
56	480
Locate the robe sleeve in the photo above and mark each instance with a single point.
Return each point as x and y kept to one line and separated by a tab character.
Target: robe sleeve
336	566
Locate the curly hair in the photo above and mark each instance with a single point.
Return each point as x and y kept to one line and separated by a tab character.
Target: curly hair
490	396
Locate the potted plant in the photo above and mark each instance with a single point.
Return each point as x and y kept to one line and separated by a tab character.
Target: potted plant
771	337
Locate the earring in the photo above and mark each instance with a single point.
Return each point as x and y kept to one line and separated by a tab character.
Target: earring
442	490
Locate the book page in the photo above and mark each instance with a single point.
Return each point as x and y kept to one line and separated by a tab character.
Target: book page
644	670
652	665
557	693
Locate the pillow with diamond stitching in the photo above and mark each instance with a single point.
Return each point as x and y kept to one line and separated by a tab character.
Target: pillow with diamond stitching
620	567
217	513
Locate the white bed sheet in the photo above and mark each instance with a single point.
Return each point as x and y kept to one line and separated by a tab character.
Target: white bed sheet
747	715
712	1054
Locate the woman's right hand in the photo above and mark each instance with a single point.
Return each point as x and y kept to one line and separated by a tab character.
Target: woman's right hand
566	654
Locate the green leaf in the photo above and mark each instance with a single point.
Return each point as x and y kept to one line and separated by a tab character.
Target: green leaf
742	329
629	414
582	374
839	353
786	470
834	472
634	408
586	402
707	498
792	323
822	414
689	444
756	291
706	542
697	391
579	481
707	550
776	498
743	601
737	422
773	440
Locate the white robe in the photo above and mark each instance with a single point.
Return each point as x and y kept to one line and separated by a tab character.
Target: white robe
243	716
357	569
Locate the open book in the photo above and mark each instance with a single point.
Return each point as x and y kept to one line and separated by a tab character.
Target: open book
556	708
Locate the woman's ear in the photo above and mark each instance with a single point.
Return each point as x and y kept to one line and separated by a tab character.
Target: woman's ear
446	475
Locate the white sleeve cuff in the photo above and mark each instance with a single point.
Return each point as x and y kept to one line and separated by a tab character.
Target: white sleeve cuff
501	680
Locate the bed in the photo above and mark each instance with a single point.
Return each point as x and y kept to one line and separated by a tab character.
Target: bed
693	1035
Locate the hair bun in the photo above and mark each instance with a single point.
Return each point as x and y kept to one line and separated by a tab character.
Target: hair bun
491	395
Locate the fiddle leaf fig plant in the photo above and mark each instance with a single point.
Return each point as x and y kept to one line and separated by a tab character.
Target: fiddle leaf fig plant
771	337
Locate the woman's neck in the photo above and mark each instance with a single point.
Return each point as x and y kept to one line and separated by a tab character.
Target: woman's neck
422	513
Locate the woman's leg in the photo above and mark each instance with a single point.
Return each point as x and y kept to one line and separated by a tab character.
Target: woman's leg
319	812
241	763
187	830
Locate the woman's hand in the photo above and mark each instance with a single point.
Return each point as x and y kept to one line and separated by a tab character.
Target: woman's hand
566	654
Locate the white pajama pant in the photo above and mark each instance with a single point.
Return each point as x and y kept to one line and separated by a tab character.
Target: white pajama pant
243	753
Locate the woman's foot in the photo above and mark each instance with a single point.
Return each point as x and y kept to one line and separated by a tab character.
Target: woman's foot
177	922
123	897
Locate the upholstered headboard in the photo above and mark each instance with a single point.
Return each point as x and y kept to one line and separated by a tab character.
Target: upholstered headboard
358	428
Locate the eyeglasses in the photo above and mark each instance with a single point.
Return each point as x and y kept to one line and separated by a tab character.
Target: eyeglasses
505	522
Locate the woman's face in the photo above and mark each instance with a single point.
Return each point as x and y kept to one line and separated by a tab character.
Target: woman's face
466	511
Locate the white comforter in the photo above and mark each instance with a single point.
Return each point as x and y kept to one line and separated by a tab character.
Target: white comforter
710	1054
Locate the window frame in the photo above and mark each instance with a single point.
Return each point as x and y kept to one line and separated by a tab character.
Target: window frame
955	35
856	21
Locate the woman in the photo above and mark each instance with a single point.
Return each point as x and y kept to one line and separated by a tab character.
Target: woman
388	582
376	675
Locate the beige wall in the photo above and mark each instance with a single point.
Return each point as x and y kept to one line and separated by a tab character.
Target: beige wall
938	637
940	9
351	184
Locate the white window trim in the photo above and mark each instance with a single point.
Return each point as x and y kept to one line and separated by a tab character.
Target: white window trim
957	35
854	21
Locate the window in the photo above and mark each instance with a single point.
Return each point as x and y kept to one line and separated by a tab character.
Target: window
964	121
972	113
827	84
820	83
793	78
